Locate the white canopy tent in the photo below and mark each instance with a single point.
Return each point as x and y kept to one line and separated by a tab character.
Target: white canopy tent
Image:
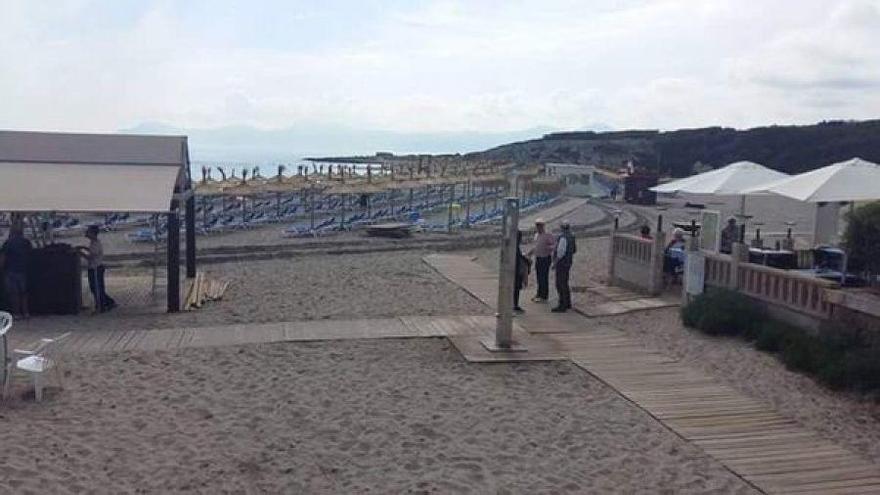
852	180
731	179
90	172
842	182
59	172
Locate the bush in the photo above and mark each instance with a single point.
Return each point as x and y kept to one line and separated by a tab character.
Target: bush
805	353
840	357
773	336
722	312
858	369
862	239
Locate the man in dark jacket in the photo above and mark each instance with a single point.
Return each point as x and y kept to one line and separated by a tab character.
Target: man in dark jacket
16	253
562	258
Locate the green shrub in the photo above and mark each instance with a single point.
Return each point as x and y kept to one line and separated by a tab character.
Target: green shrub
722	312
857	369
772	336
862	239
804	352
840	357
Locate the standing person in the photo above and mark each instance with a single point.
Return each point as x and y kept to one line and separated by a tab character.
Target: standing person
94	255
729	235
521	276
543	253
16	253
562	260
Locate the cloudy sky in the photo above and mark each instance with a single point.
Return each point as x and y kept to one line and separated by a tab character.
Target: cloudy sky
436	65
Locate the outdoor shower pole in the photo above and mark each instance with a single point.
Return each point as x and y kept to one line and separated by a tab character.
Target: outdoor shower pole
506	272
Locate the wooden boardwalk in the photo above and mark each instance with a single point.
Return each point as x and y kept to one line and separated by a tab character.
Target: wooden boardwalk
770	451
298	331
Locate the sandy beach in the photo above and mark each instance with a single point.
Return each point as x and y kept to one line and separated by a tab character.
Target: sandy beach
388	416
394	416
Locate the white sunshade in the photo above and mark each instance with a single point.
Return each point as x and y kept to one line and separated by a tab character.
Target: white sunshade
852	180
89	172
732	179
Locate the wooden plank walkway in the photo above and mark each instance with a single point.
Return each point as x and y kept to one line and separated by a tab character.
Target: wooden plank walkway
298	331
772	452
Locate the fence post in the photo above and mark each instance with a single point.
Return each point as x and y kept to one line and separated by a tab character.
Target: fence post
658	246
737	252
611	253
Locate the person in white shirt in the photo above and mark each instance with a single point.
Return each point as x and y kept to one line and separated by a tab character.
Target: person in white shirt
94	256
545	243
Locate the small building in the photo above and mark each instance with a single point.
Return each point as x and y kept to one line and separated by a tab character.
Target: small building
637	189
578	180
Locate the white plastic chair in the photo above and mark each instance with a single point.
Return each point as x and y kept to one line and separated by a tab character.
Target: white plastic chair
39	359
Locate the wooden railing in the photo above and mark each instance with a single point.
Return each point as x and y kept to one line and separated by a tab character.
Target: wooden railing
719	270
632	247
790	289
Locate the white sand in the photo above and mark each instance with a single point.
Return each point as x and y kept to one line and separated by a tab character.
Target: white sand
341	417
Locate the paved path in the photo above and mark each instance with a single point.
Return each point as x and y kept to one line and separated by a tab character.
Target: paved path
772	452
553	213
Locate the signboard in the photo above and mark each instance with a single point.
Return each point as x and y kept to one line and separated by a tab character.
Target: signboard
694	273
710	230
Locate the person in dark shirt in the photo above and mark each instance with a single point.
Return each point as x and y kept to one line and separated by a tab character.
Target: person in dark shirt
16	253
729	235
563	258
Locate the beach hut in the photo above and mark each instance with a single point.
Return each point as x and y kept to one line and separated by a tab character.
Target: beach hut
43	172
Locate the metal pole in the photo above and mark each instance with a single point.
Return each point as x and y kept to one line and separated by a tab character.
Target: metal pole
507	268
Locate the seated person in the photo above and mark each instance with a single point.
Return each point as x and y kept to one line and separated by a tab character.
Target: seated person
645	232
673	259
729	235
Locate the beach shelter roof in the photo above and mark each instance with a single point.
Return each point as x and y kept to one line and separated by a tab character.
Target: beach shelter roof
852	180
46	171
732	179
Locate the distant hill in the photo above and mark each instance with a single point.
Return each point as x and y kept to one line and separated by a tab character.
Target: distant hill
791	149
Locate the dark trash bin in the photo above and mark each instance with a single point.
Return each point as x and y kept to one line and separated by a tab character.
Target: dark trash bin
55	280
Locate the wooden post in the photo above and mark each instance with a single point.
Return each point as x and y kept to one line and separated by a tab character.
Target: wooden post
191	237
467	204
311	193
173	261
451	202
611	254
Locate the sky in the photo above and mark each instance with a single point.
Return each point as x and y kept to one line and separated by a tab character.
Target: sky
436	66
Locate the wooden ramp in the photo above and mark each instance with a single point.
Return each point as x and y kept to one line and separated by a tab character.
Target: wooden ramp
773	453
